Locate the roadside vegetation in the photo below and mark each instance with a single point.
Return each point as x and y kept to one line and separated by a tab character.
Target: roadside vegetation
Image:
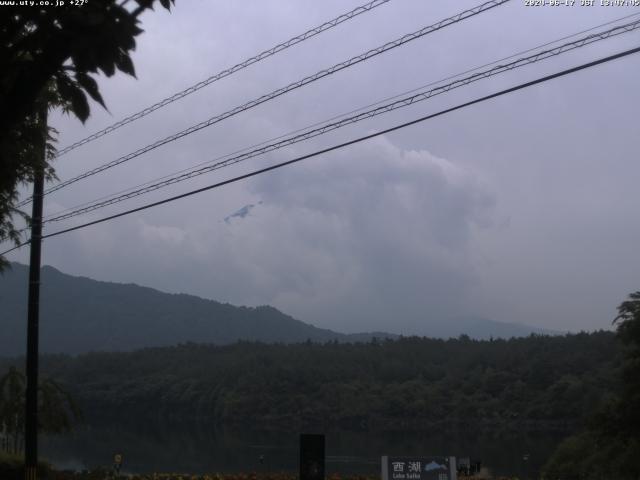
57	411
609	446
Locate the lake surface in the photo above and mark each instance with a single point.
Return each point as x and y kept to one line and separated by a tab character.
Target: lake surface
148	448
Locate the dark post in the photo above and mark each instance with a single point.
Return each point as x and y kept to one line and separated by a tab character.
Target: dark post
312	457
31	412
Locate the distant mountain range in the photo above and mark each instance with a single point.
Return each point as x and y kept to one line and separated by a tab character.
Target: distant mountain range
79	315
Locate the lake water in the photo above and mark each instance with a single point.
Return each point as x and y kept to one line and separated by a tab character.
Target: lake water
148	448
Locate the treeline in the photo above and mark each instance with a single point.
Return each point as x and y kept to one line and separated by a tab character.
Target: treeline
609	446
538	382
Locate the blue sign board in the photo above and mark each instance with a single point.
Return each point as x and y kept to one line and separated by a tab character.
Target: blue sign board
419	468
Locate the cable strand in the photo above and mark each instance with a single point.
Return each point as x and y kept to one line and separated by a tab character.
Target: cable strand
227	72
283	90
345	144
401	103
336	117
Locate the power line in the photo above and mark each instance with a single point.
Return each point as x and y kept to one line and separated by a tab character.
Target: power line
402	103
229	71
281	91
335	117
195	171
342	145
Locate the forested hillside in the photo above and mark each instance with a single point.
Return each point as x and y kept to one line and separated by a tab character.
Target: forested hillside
537	382
79	315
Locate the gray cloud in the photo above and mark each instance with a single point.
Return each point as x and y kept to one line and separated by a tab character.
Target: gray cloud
376	237
522	209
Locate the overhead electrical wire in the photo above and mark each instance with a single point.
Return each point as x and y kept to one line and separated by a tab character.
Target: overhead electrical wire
195	171
281	91
367	7
345	144
401	103
342	115
135	189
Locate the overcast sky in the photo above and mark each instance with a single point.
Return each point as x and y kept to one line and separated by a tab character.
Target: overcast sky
523	209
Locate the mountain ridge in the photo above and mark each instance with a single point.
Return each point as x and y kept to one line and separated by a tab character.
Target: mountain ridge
80	314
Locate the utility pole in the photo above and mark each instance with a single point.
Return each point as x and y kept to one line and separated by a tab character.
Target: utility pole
31	404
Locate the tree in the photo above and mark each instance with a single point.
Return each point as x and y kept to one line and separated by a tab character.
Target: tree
610	446
624	414
57	409
12	390
50	55
23	150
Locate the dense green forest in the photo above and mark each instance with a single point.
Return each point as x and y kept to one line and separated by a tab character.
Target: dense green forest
537	382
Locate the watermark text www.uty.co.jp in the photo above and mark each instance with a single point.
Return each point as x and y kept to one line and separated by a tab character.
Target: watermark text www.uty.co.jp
43	3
